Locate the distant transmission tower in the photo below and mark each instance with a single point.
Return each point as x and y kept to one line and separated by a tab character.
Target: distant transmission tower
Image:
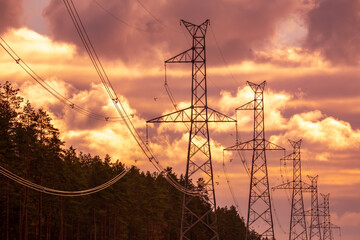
315	226
297	220
259	208
327	226
199	164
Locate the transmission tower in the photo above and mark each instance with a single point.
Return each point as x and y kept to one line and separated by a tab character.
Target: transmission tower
199	163
297	220
259	208
315	226
327	226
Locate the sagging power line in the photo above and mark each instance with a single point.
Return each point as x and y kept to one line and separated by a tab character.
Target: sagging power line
116	100
62	193
66	101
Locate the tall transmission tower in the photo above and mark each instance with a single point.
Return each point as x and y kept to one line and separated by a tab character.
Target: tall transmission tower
199	162
259	208
315	226
297	220
327	226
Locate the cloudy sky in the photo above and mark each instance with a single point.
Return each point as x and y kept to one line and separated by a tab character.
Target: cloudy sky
308	51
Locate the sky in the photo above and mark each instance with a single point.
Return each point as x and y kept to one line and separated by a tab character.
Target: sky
307	51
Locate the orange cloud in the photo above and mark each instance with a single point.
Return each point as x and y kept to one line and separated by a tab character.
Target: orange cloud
314	127
274	103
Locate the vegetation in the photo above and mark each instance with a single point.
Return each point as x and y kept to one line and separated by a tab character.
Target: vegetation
139	206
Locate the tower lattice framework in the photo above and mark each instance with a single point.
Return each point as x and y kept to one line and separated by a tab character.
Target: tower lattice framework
259	216
315	225
327	226
199	162
327	233
297	220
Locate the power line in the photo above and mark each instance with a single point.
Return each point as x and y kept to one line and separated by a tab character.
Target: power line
160	22
185	35
230	186
223	57
119	19
49	88
116	101
144	30
241	154
285	179
62	193
156	19
277	216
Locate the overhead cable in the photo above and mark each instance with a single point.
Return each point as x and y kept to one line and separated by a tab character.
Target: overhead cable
116	100
237	206
62	193
222	56
156	19
49	88
119	19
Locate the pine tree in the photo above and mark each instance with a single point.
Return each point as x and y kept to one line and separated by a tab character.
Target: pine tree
139	206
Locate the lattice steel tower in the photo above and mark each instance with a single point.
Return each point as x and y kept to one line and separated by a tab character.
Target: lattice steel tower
315	226
259	208
199	163
297	220
327	234
327	226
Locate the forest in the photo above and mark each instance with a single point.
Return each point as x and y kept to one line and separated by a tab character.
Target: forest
141	206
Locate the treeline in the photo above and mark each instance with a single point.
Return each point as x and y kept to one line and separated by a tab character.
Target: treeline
141	206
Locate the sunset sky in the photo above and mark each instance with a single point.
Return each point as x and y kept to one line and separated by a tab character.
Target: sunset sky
308	51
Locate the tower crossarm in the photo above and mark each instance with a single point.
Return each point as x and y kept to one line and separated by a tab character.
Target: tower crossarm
184	57
255	144
215	116
332	226
257	103
290	185
247	106
294	156
306	187
320	213
287	185
187	55
289	157
335	226
183	115
200	114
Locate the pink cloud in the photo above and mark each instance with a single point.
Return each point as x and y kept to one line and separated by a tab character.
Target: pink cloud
10	12
333	30
238	25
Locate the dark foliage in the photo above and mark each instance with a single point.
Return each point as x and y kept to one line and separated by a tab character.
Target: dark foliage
140	206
